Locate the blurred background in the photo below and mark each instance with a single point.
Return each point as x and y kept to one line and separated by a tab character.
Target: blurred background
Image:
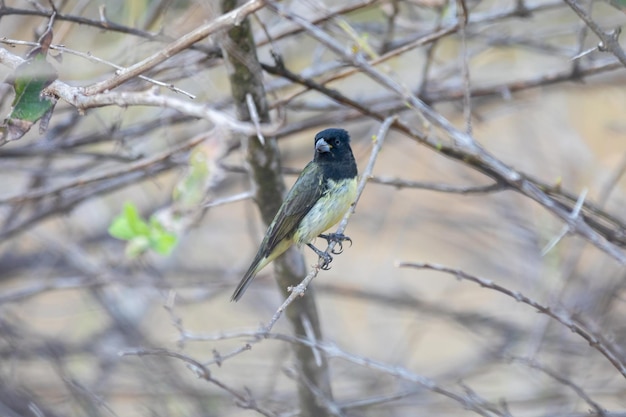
77	305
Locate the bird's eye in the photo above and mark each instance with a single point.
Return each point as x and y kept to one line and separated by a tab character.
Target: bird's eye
337	142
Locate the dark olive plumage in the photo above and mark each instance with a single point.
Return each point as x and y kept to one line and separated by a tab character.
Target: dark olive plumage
319	198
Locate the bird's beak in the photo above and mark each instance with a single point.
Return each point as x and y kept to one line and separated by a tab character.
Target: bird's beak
322	146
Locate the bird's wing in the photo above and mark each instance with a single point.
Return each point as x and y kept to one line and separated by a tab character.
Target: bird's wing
307	189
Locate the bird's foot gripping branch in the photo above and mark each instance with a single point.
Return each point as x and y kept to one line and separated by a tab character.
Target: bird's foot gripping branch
338	238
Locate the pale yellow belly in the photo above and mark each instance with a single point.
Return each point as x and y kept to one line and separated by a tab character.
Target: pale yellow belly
327	211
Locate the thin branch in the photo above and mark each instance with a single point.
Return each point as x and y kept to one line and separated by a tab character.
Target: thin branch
329	404
100	24
567	228
92	58
609	41
254	115
444	188
230	199
465	73
42	286
568	383
560	316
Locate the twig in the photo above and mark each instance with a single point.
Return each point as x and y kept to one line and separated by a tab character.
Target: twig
567	228
465	73
329	404
103	25
310	334
340	9
429	57
609	41
230	199
552	374
254	115
444	188
612	181
41	286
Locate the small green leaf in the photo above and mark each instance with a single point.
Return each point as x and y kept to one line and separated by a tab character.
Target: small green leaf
129	224
141	236
163	243
138	226
120	229
31	78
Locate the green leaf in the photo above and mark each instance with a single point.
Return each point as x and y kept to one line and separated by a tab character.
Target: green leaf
141	236
29	80
136	224
129	224
120	229
32	77
161	241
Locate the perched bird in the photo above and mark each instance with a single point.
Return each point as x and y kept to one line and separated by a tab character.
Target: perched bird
320	197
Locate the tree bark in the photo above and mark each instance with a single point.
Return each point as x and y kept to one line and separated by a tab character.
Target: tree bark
246	77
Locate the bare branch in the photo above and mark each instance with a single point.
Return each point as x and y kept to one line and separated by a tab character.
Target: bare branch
560	316
609	41
552	374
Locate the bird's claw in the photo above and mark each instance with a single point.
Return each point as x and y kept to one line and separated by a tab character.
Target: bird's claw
338	238
326	260
324	256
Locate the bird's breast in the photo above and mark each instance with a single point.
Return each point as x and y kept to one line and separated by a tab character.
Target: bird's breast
328	210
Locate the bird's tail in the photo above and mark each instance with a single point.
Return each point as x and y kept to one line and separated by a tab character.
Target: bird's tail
262	258
258	263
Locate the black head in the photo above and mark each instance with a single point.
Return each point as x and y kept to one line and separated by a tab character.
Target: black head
332	150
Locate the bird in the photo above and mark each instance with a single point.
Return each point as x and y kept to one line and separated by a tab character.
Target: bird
322	194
